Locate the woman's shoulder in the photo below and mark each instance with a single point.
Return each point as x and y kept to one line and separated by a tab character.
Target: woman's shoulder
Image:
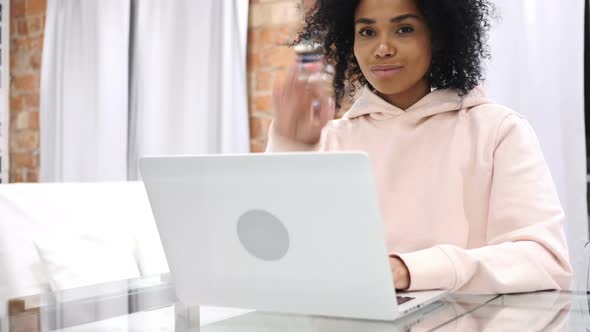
496	122
482	107
492	115
493	110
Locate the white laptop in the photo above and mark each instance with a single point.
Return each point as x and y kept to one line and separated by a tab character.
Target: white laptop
292	233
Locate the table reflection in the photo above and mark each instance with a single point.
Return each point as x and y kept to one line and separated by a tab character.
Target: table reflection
524	312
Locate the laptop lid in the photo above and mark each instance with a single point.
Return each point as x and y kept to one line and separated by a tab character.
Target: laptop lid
294	232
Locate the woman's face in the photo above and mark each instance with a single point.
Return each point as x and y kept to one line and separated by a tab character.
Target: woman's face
392	46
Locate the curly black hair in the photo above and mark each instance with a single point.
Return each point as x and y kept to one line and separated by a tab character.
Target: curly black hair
458	32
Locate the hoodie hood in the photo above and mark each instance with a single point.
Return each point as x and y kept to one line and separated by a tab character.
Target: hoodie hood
438	101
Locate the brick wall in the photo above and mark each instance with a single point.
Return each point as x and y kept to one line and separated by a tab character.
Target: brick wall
26	44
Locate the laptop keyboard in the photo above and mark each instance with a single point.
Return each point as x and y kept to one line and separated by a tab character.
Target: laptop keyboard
403	299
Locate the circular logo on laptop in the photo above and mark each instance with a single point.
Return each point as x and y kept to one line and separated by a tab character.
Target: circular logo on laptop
263	235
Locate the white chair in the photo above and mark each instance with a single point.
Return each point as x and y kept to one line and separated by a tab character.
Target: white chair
90	226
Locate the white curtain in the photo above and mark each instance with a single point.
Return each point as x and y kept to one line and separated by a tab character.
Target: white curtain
189	78
84	83
126	78
537	70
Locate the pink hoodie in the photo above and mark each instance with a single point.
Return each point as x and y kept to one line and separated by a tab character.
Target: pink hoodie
465	194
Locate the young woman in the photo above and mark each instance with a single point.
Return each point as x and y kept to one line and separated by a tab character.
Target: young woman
466	197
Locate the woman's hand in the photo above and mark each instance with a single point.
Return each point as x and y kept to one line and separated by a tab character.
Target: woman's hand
401	275
302	105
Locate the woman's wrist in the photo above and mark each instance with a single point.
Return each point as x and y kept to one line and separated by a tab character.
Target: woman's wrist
401	274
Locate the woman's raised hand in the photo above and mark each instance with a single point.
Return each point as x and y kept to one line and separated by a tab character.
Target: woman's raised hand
303	103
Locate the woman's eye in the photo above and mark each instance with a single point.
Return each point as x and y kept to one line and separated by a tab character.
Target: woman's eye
403	30
366	32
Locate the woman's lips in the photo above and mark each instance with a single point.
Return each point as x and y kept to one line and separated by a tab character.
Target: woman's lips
385	72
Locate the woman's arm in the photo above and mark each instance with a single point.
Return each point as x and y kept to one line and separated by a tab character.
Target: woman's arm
526	248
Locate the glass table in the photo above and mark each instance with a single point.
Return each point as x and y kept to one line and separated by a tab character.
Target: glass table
150	304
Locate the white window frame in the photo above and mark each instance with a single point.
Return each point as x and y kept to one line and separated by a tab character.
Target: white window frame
4	91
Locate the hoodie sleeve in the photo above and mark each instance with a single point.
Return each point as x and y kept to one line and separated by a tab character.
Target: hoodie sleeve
526	248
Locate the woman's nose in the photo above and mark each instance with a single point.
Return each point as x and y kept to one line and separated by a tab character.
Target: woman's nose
384	49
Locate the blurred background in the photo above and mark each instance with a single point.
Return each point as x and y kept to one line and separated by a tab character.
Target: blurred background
88	87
